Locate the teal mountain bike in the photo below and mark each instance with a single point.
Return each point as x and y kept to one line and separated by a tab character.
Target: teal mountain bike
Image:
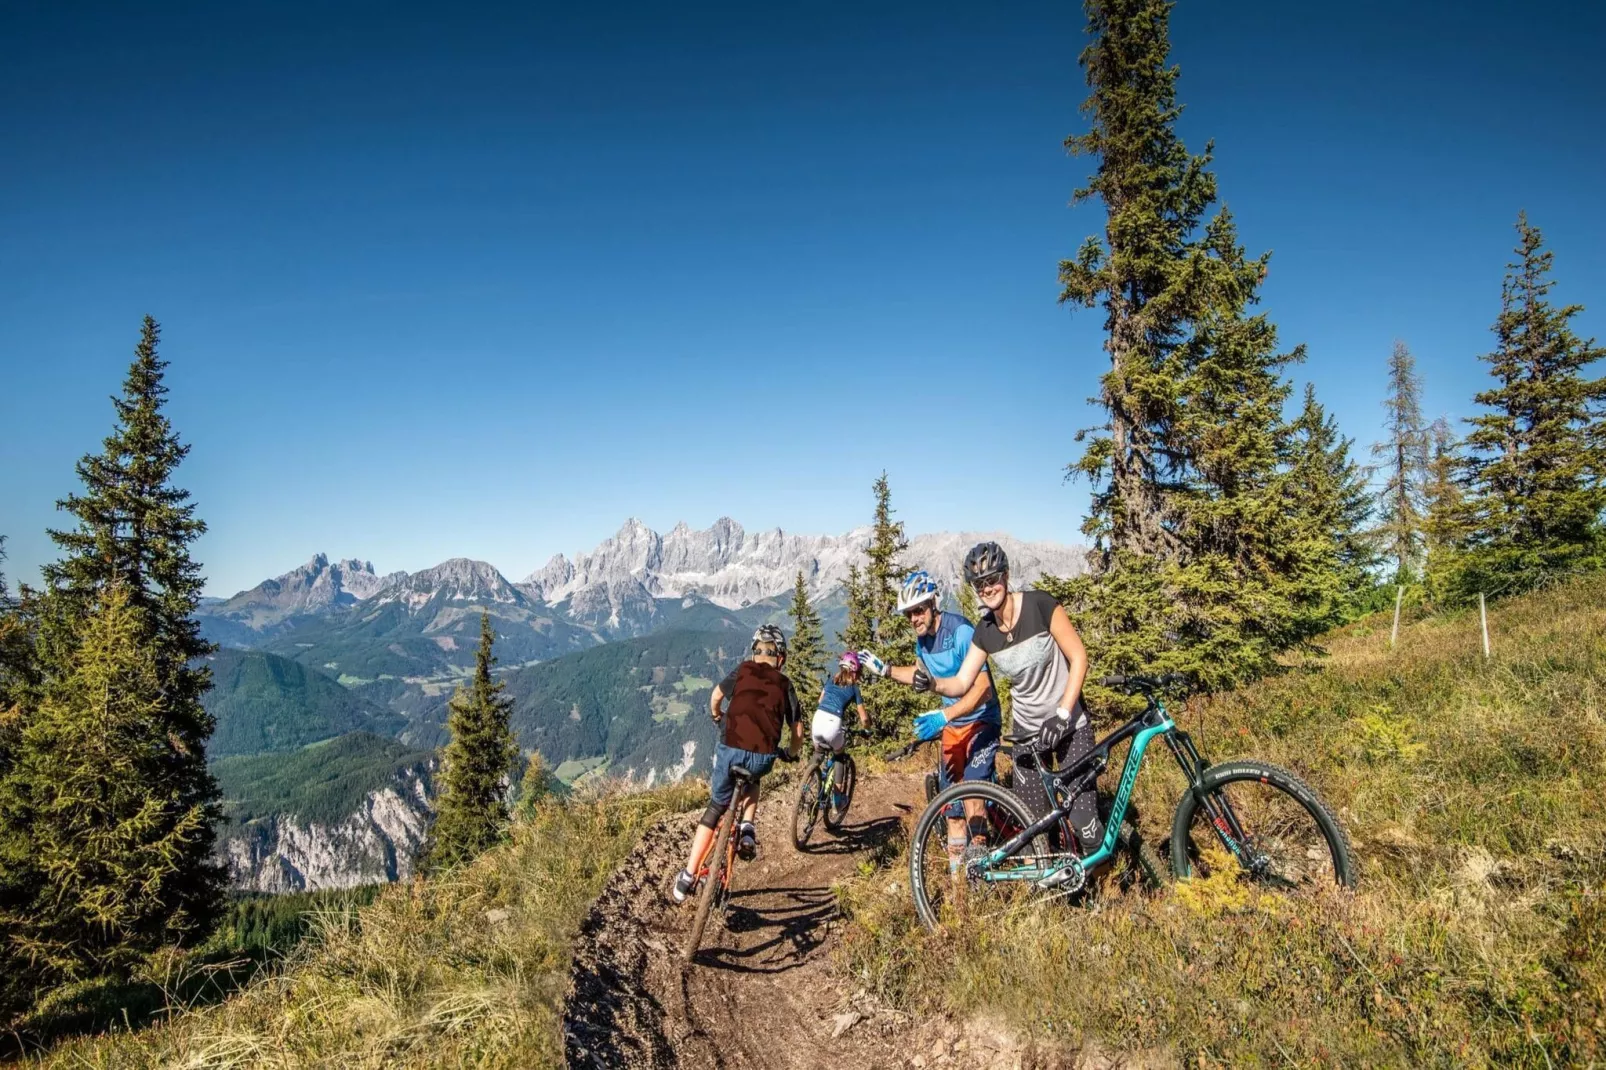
1273	828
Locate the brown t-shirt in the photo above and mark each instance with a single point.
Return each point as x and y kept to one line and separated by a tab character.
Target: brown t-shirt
761	703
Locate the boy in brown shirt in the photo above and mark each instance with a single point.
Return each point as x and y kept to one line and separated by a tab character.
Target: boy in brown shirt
762	705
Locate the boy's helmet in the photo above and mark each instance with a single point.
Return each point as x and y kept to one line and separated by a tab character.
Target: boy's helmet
770	633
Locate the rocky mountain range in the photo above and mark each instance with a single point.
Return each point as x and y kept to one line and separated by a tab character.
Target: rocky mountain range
731	568
620	587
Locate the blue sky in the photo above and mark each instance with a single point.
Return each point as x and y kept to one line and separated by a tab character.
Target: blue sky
486	282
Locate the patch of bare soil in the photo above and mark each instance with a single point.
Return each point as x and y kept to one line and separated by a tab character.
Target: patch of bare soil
764	991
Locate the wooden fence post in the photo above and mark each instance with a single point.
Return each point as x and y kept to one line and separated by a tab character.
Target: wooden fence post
1483	616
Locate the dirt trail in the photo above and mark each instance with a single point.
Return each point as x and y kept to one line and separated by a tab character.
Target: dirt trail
763	992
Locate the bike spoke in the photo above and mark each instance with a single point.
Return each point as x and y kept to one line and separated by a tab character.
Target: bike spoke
1272	837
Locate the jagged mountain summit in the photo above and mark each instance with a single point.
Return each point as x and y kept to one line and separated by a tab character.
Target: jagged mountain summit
731	568
316	586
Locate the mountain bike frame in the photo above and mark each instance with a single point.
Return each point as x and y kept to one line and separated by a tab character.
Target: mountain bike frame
1065	784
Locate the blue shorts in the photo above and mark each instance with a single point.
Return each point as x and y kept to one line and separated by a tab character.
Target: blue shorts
968	753
722	784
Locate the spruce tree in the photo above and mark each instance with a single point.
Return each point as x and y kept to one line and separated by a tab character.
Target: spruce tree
535	787
891	705
858	632
1330	488
1536	459
134	530
1200	565
112	809
1146	272
1444	519
1404	457
471	808
805	655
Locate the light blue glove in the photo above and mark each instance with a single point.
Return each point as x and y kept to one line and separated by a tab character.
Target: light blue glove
872	664
929	726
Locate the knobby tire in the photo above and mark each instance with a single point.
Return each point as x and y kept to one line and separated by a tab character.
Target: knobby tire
1184	851
711	884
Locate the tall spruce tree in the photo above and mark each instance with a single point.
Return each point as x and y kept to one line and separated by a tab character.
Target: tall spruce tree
471	809
134	530
1444	521
805	654
1147	272
1404	456
1536	460
1330	487
111	809
873	622
1199	564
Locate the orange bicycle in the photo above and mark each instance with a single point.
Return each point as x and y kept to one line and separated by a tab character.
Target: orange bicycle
714	875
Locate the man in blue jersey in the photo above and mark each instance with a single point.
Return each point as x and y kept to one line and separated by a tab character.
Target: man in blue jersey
969	725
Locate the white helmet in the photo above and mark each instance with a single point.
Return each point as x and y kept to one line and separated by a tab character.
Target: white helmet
918	587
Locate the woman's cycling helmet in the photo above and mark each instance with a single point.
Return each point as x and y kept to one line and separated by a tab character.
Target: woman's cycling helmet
770	633
985	560
918	587
849	661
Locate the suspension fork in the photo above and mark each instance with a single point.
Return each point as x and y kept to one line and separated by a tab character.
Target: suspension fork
1217	808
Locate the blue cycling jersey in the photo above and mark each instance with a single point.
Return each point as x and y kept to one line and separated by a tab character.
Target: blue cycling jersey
837	698
944	652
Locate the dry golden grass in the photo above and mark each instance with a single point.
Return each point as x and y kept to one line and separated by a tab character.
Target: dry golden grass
1473	793
464	970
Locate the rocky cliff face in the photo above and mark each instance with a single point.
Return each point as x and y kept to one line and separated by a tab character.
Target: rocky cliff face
376	843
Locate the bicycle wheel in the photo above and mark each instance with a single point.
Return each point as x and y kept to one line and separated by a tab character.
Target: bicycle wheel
806	810
1275	827
944	885
850	780
713	885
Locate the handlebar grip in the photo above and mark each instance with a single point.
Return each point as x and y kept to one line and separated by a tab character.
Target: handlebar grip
1174	678
1113	681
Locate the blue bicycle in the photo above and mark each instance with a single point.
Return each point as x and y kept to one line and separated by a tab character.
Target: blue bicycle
826	791
1261	820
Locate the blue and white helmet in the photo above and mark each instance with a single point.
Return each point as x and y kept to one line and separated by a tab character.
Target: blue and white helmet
918	587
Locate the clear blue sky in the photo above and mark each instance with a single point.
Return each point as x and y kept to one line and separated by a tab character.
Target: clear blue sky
442	282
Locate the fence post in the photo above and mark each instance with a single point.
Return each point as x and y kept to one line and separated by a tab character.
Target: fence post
1399	593
1483	616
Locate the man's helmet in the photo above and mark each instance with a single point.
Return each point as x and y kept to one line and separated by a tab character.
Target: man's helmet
918	587
985	560
849	661
770	633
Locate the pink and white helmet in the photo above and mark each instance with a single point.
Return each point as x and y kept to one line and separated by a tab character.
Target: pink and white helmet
849	660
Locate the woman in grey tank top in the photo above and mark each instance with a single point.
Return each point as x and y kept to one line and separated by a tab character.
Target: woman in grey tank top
1032	642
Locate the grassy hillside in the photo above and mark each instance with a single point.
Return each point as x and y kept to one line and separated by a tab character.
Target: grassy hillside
1477	937
1474	794
466	971
320	782
264	702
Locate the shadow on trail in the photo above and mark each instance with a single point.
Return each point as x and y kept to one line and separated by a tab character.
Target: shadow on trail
851	839
792	929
